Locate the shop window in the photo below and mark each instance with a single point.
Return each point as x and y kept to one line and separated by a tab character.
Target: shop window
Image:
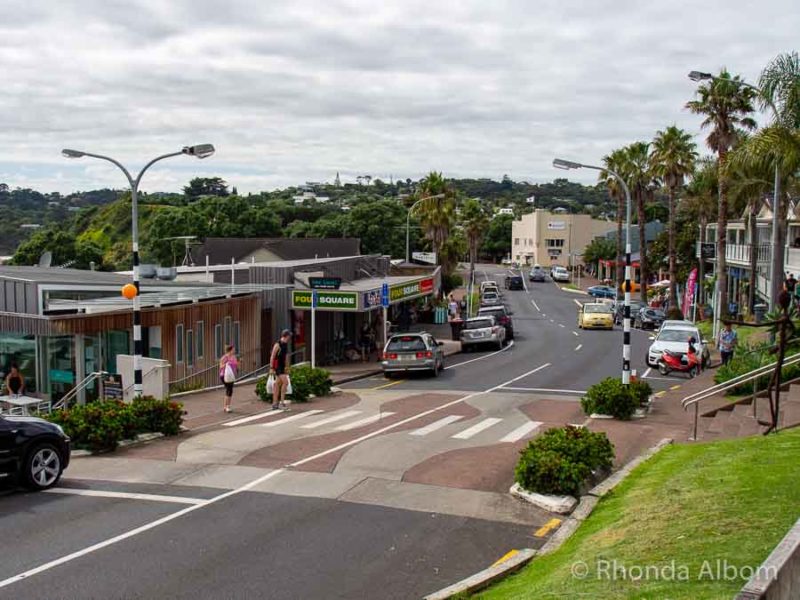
201	340
190	348
218	350
179	343
237	330
227	331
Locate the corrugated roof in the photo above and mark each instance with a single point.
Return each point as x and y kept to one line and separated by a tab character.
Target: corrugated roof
76	276
222	250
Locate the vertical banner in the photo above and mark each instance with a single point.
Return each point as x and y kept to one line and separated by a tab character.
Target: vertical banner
688	293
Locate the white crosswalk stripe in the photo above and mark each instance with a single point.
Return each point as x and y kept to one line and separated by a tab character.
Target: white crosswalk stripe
477	428
264	415
364	421
291	419
436	425
333	419
521	431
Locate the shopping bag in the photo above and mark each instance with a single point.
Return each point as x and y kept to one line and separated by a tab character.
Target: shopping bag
229	376
270	383
288	386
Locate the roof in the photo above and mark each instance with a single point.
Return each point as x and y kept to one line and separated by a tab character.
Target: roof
56	275
222	250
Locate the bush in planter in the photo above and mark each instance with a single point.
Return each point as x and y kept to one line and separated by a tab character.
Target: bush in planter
157	416
305	381
610	397
562	460
641	390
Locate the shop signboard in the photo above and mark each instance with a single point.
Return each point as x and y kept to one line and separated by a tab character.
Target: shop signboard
112	386
404	291
302	299
372	299
325	283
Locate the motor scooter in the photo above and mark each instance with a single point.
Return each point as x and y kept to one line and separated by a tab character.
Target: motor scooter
672	361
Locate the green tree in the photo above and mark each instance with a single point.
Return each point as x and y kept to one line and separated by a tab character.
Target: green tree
475	222
726	105
436	211
673	158
205	186
615	162
497	242
701	203
598	249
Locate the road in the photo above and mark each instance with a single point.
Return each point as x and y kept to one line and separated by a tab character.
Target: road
390	489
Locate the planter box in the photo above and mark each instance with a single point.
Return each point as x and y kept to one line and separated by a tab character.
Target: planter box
558	504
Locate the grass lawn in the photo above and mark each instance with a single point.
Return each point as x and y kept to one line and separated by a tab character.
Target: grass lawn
727	501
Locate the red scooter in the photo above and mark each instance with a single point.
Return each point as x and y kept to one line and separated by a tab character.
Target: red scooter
672	361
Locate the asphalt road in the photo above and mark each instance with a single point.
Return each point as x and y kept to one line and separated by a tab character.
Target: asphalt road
403	512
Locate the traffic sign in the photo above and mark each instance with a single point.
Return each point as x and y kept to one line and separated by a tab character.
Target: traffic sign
385	295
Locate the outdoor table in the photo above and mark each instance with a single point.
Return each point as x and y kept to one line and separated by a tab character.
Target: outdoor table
25	402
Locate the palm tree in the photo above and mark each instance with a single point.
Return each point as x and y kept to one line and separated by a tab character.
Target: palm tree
436	211
614	161
673	157
701	200
636	171
475	222
726	105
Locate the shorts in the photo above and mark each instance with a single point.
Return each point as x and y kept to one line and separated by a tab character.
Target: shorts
228	386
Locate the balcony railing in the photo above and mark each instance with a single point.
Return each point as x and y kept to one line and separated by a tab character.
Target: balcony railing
740	253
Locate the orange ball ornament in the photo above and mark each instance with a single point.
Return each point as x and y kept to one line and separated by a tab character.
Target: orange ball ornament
129	291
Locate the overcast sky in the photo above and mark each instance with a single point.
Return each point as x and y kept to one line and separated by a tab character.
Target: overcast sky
295	91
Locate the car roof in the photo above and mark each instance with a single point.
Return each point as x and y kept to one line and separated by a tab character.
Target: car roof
491	308
480	318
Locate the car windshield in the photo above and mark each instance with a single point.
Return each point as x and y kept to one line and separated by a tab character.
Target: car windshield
676	335
488	295
656	314
406	343
479	324
595	308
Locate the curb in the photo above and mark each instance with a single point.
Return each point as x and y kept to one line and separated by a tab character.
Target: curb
140	439
495	573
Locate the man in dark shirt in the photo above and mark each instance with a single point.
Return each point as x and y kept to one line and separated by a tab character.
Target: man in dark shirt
790	284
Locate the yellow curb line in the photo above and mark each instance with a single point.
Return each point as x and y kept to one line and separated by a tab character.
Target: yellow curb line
545	529
505	557
675	387
380	387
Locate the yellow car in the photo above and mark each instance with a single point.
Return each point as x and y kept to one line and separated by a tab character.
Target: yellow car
595	315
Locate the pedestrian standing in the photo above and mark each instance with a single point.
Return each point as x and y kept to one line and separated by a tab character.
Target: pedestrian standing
279	362
453	308
727	343
790	283
228	369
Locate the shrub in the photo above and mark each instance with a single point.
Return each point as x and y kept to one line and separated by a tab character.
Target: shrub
305	382
747	361
641	390
562	460
101	425
610	397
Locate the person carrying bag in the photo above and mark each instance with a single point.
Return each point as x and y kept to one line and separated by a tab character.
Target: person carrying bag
228	368
279	362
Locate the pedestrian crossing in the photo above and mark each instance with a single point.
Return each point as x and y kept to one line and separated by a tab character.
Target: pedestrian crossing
494	427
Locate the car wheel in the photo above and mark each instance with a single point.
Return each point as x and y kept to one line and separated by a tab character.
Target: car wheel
42	468
663	369
387	374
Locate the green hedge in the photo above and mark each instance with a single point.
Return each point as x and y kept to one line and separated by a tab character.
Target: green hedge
101	425
745	362
611	397
561	461
305	382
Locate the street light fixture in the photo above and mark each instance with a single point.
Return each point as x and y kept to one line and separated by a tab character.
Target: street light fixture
198	151
560	163
776	266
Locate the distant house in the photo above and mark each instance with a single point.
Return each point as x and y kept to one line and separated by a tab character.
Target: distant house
309	196
506	211
531	199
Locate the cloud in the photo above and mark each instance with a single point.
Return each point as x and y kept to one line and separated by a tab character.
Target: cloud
296	91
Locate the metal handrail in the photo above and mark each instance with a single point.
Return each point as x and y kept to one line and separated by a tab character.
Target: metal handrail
82	385
694	399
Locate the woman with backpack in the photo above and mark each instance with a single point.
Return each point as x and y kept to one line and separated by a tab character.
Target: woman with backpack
228	369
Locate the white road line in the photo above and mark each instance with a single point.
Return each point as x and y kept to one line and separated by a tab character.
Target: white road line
125	495
536	306
576	302
466	362
646	373
552	321
264	415
364	421
250	485
476	429
546	390
521	431
575	333
291	419
561	325
578	347
436	425
333	419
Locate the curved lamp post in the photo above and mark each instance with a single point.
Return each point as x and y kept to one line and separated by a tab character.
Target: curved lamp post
559	163
776	264
199	151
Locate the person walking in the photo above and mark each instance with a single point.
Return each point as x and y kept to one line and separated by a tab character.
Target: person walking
727	342
279	360
228	369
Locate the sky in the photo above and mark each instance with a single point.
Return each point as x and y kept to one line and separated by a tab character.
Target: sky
290	92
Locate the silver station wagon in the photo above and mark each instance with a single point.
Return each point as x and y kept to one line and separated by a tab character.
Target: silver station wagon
412	352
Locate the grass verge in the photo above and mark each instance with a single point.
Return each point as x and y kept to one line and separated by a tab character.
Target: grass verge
676	520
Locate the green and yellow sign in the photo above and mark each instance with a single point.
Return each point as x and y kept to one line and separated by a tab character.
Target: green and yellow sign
403	291
301	299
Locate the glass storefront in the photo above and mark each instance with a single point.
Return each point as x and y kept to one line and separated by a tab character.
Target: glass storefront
20	350
59	364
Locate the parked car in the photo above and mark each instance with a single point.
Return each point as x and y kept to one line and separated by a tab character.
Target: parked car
32	450
491	298
514	282
649	318
506	261
412	352
537	274
503	316
560	274
487	284
602	291
595	315
482	330
675	338
636	306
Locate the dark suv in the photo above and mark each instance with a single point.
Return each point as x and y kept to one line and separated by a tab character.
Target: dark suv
619	313
33	450
514	282
503	316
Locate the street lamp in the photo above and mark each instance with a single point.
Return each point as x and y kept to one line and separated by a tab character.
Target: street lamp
408	221
199	151
559	163
776	266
